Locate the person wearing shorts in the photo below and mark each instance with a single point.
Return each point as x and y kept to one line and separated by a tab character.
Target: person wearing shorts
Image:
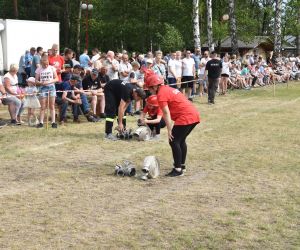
188	75
46	77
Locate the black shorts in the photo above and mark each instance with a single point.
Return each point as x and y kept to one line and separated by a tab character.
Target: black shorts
189	82
224	75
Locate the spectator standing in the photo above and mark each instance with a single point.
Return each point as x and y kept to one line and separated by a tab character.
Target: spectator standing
159	67
178	68
46	77
197	58
225	74
112	65
36	61
125	68
31	101
213	69
202	80
21	72
188	75
171	71
28	61
57	61
84	60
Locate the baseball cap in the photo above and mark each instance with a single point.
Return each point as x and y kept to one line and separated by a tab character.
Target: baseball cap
95	72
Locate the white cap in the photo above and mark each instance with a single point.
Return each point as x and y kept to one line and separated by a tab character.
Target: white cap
149	61
31	79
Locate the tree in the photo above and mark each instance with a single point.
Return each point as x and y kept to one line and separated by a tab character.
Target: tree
209	25
16	11
277	31
233	30
171	39
196	32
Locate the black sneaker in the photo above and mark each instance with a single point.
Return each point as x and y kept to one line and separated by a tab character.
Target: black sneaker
40	125
175	173
190	99
54	125
91	118
13	122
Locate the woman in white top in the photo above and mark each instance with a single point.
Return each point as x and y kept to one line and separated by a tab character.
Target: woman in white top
46	77
13	100
225	74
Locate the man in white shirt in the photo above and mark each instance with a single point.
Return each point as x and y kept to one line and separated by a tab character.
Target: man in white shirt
178	68
202	81
171	71
188	75
112	65
125	68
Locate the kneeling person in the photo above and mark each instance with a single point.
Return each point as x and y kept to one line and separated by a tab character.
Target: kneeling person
155	114
67	96
118	95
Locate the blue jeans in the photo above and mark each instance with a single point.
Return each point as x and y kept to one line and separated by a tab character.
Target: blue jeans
64	107
85	106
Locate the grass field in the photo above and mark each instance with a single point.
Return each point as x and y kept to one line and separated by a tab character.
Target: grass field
241	190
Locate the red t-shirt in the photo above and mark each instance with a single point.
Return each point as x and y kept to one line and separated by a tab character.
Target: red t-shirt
182	111
58	63
153	111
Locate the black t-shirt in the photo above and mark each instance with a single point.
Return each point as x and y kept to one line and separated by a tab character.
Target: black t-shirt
214	68
120	89
103	78
89	84
70	62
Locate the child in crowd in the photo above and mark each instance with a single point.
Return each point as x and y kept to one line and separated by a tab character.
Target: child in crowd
31	101
154	119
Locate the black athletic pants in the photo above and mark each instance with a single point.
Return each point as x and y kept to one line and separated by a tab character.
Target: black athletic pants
178	144
111	109
212	88
157	126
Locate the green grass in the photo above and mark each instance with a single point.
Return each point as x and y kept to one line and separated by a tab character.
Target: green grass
241	190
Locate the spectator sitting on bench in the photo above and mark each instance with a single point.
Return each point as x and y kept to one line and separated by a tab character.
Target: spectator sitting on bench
68	96
92	86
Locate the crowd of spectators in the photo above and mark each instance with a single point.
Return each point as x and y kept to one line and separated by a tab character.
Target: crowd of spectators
78	84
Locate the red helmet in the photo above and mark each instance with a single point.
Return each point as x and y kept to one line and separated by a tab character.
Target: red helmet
152	100
153	80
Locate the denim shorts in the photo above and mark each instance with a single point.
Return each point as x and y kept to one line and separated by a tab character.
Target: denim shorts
43	91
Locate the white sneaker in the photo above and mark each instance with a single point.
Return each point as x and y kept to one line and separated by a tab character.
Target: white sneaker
111	137
155	137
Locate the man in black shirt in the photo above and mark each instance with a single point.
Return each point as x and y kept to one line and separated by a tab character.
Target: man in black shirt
95	92
213	70
118	95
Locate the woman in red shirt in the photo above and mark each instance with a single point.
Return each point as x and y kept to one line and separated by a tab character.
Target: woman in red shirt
155	114
175	108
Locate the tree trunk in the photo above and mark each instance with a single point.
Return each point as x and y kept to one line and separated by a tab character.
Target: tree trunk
277	31
67	23
197	42
78	29
16	11
234	42
298	35
209	25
